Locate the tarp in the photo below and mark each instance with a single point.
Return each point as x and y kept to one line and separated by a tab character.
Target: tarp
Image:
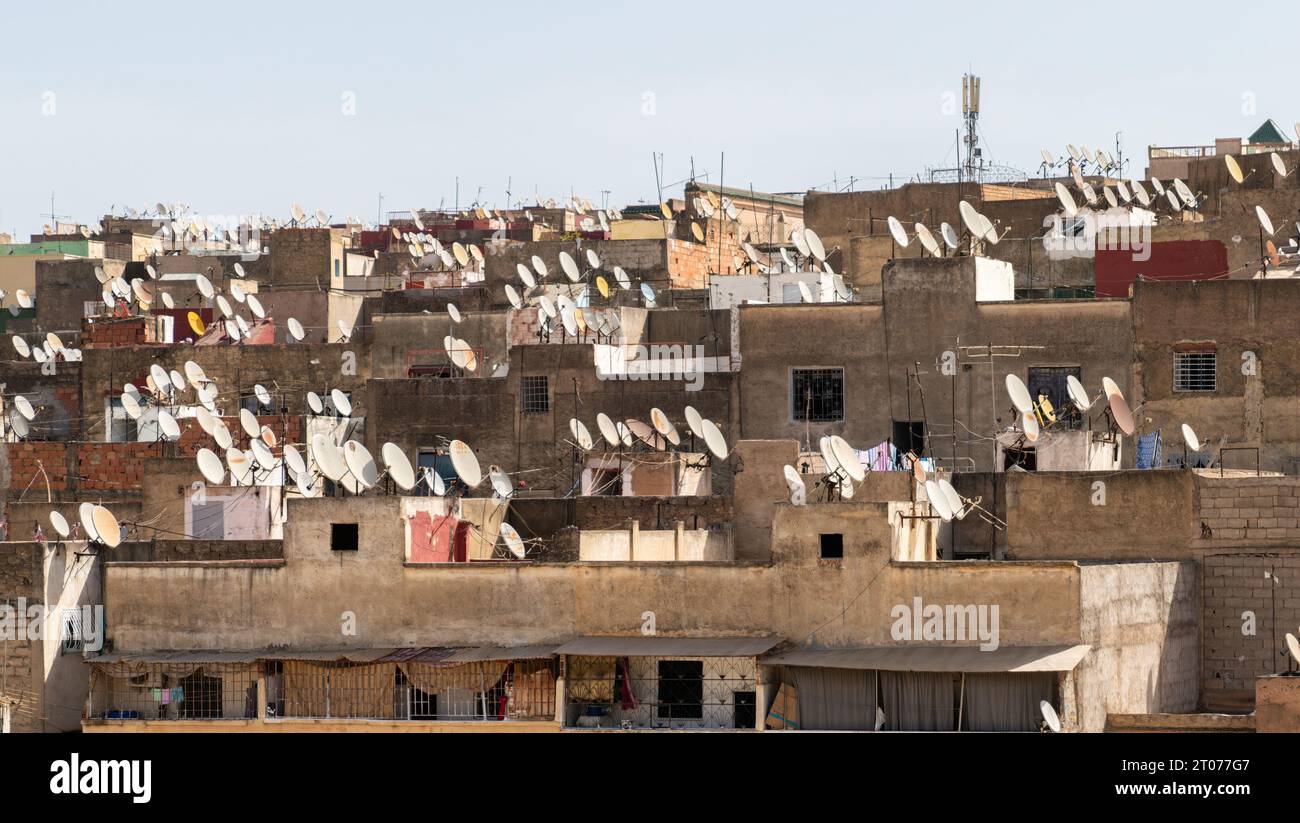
653	646
937	658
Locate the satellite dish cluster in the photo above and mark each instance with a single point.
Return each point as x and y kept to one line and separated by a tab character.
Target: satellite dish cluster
659	435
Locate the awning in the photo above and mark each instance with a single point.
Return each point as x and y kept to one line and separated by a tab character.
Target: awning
484	653
642	646
175	657
936	658
328	655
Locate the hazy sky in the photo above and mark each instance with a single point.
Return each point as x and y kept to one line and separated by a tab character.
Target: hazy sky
241	107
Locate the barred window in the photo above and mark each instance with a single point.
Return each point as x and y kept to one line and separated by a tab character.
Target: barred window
534	394
817	395
1195	371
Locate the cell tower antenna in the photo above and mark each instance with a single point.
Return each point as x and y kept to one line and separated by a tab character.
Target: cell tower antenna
970	109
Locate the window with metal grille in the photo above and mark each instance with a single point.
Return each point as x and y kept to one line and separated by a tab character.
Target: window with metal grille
534	394
1195	371
1052	382
817	395
681	689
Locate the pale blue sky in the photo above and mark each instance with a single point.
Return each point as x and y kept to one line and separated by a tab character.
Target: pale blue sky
237	107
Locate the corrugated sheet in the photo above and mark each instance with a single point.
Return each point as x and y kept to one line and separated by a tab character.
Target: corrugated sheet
176	657
485	653
937	658
642	646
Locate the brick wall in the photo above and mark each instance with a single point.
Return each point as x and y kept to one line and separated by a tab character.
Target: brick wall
1266	584
21	576
111	334
1253	509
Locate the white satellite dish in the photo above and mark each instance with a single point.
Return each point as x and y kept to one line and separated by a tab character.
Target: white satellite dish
210	466
539	266
569	267
514	543
168	427
249	423
19	425
805	293
221	434
694	421
949	235
24	407
398	466
296	331
1078	393
926	238
1189	437
1067	200
955	503
607	429
500	481
314	403
1049	716
453	312
436	484
262	454
20	346
465	463
897	230
60	524
1279	165
328	457
664	426
1029	422
938	501
361	463
847	458
815	244
798	489
24	299
714	440
593	259
1264	222
236	291
345	330
85	513
255	306
1234	168
581	436
294	460
513	297
1293	646
1019	393
620	277
263	396
342	404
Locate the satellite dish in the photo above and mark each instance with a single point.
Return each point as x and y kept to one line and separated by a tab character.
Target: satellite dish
465	463
1158	186
620	277
526	276
539	266
342	404
607	429
648	293
664	426
24	299
328	458
815	244
106	527
294	460
236	291
798	489
1049	716
296	331
262	453
800	242
1019	394
436	484
361	463
546	306
1119	409
955	503
255	306
593	259
314	403
1264	222
60	524
1077	393
224	305
847	458
1189	437
1293	646
581	436
1111	200
1140	192
345	330
161	380
694	421
210	466
938	501
221	434
926	239
514	543
1184	192
949	235
1067	200
204	285
714	440
249	423
86	514
897	230
194	374
513	297
167	425
24	407
19	425
1234	168
453	312
263	396
20	346
1279	165
500	481
569	267
241	467
805	293
398	466
1029	422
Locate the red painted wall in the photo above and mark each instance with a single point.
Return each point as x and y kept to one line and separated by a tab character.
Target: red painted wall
1170	260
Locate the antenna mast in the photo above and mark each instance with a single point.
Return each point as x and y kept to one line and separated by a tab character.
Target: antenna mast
970	109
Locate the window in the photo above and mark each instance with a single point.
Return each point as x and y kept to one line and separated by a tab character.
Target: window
343	537
681	689
606	482
1051	382
74	633
121	427
817	395
1195	371
909	436
202	696
746	710
534	394
832	546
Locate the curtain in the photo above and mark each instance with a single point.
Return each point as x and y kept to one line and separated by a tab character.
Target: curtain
327	690
306	686
918	701
843	699
1005	702
476	677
